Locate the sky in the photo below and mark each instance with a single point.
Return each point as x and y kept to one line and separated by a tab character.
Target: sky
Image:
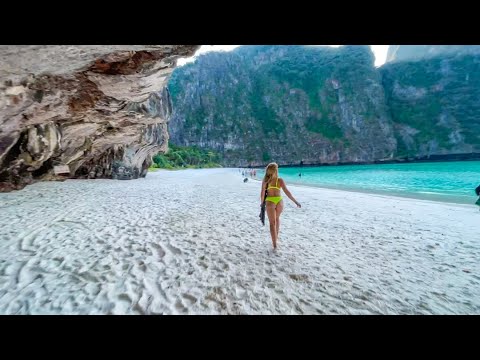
380	52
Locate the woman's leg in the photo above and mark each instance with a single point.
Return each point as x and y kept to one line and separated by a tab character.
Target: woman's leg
271	218
278	211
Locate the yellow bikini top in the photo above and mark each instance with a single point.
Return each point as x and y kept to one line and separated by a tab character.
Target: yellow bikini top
274	187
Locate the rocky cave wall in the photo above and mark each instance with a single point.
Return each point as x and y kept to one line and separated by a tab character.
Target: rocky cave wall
97	111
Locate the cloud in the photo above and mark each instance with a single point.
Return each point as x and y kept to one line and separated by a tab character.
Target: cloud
380	52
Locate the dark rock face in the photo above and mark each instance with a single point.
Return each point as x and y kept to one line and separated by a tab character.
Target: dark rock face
100	111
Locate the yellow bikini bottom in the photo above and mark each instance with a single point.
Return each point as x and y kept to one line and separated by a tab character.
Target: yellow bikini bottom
274	199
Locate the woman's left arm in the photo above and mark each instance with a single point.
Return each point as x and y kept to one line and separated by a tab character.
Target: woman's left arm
288	193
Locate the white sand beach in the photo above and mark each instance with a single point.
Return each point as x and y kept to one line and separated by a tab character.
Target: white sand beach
190	242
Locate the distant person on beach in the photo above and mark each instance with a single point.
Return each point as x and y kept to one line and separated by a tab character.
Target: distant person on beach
271	186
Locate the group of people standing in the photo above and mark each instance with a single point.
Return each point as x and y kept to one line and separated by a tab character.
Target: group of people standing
252	173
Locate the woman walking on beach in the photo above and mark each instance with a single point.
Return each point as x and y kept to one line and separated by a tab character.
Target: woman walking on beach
271	186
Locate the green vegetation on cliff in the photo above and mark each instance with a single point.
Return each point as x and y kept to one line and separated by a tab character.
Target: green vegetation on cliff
178	157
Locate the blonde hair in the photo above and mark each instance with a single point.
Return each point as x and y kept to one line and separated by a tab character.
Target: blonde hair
271	172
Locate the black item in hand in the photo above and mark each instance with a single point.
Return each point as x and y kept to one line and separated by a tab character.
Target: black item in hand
262	209
262	213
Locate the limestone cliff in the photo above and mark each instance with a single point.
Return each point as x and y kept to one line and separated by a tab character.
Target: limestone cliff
325	105
283	103
434	104
100	110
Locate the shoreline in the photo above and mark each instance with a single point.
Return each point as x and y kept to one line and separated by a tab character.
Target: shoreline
430	198
412	196
432	159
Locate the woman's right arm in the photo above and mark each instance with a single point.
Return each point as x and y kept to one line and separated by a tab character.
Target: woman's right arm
288	193
262	194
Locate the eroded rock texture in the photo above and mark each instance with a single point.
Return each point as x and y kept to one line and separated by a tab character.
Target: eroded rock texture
100	110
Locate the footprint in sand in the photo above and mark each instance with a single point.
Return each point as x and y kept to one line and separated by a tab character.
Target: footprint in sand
142	266
158	249
92	289
299	277
125	297
240	292
179	306
190	299
174	250
88	277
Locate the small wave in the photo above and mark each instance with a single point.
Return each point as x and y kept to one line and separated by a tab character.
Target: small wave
430	192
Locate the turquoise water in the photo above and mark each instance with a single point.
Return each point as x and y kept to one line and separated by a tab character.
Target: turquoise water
440	181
